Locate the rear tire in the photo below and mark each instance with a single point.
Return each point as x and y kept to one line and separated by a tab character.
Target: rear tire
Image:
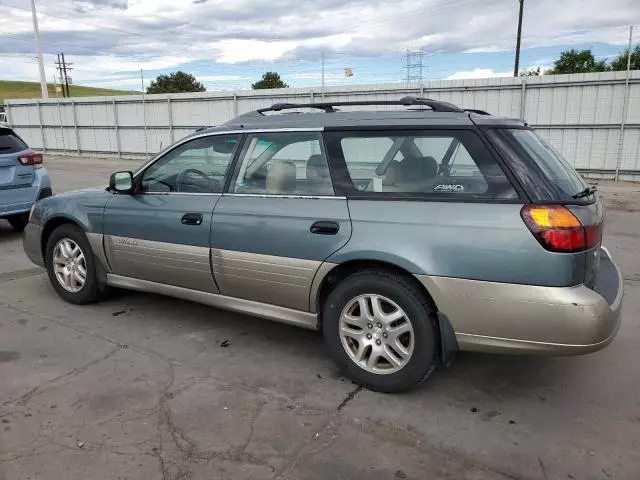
19	221
380	328
71	265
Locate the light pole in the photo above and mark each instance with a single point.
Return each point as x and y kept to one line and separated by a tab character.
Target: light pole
43	79
517	64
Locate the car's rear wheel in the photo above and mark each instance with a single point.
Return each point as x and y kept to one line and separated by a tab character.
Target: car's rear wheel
19	221
71	265
381	330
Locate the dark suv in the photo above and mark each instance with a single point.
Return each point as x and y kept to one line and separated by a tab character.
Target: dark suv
404	235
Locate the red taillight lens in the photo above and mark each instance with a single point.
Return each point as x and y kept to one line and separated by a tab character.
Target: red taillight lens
559	230
33	158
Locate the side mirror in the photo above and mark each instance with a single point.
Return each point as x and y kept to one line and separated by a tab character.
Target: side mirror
121	182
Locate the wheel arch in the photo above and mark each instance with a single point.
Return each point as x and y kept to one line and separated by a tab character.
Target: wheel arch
332	274
49	226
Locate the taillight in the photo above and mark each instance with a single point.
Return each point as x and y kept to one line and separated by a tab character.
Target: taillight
559	230
33	158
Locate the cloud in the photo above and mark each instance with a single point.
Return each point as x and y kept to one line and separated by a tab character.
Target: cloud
478	73
134	34
83	6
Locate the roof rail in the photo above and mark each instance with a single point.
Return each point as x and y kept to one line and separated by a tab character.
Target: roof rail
329	107
475	110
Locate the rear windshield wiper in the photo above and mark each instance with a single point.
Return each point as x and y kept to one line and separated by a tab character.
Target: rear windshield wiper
590	190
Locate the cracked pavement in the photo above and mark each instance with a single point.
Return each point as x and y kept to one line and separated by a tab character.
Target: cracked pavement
141	387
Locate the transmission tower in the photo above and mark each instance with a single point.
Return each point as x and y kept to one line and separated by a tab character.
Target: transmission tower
414	65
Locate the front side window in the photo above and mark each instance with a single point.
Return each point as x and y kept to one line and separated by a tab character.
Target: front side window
197	166
291	163
439	163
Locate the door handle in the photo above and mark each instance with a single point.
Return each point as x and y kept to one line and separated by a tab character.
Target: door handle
192	219
325	228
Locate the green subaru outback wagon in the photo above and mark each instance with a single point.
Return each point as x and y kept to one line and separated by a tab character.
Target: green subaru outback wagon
403	230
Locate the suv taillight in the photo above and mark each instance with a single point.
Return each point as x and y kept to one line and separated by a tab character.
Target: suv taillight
33	158
559	230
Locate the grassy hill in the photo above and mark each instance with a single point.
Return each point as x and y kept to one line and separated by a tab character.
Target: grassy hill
10	89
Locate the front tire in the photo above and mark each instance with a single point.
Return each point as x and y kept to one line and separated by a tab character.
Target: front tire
19	221
71	265
380	328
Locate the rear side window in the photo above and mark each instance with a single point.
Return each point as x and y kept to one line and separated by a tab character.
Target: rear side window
451	164
553	165
11	143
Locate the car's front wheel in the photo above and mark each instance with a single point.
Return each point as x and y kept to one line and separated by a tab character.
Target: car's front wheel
381	330
71	265
19	221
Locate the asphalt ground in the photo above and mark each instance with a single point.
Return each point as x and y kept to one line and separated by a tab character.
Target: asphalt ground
148	387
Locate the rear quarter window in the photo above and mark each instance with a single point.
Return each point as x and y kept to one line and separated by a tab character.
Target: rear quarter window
525	145
11	143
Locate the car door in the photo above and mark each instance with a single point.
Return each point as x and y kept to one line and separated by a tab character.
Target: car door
161	232
279	220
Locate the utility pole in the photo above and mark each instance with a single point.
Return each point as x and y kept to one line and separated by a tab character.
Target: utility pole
60	76
625	107
322	88
65	67
517	64
43	79
64	79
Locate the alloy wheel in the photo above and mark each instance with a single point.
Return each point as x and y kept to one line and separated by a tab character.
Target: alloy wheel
376	334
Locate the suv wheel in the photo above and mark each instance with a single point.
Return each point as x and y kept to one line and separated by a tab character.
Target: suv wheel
381	330
71	265
19	221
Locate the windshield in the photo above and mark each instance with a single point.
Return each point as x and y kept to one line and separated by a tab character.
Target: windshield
552	163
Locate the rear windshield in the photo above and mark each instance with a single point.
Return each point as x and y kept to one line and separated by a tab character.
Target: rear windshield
10	143
550	161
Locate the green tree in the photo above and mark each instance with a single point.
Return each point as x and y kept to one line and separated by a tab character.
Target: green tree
533	72
177	82
574	61
620	62
269	80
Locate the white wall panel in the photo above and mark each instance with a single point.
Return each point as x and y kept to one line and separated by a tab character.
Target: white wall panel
555	103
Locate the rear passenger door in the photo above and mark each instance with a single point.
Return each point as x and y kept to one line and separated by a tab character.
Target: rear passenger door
278	221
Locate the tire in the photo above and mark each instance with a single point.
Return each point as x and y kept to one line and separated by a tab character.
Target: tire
396	294
89	291
19	221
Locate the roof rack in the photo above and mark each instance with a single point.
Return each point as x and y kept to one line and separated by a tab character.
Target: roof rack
475	110
329	107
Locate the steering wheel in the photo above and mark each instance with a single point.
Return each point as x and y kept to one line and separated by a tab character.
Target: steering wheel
199	188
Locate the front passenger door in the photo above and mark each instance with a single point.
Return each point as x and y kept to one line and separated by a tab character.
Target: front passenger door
161	232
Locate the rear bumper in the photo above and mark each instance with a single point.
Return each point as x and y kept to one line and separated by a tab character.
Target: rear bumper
31	243
14	201
510	318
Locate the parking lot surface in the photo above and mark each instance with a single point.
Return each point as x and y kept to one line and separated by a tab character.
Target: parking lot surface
144	387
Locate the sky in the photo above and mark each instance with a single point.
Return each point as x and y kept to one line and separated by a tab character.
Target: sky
229	44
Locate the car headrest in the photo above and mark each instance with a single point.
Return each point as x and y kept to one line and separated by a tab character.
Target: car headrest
414	168
393	174
281	178
317	169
